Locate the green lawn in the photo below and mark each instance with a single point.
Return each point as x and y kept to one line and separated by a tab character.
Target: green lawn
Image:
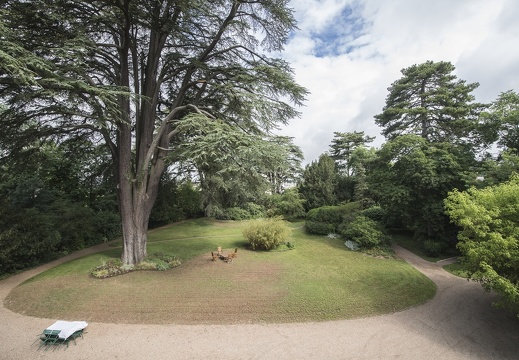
318	280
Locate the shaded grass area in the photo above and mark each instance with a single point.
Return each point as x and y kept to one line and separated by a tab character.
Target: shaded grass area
405	239
318	280
457	269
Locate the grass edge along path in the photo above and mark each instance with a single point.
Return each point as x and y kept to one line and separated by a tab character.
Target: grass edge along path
319	280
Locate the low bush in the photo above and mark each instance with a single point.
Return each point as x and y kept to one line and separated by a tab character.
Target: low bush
234	213
319	228
365	232
326	219
266	234
255	210
290	205
249	211
109	268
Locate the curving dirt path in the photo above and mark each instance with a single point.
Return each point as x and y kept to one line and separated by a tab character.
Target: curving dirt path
458	323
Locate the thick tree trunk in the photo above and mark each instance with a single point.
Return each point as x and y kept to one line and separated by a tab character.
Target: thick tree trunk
134	243
137	173
136	200
135	228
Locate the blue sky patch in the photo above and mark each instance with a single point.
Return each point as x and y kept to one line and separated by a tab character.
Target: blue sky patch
339	36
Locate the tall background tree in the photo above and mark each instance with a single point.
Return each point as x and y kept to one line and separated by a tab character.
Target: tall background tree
435	134
343	146
503	117
127	73
348	150
429	101
318	183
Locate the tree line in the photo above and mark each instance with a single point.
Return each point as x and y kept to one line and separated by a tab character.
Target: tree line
445	172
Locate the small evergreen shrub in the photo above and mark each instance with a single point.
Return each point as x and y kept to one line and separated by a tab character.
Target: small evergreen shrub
365	232
266	234
290	205
161	265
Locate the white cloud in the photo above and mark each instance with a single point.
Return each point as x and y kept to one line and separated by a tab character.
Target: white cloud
347	53
315	15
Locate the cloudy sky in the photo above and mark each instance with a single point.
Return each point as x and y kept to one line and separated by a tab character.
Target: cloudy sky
348	52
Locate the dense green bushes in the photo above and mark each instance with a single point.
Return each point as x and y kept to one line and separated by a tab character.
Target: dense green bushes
289	204
434	248
375	213
367	233
326	219
30	236
247	212
266	234
361	226
55	198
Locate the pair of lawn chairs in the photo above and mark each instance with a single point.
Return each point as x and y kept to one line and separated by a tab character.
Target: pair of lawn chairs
60	333
227	258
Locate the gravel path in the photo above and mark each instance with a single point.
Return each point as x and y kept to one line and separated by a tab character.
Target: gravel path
458	323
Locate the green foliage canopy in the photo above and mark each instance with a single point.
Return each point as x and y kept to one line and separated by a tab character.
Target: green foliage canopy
489	236
342	147
431	102
318	183
503	118
410	178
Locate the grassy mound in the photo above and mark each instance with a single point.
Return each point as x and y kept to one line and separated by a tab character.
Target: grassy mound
318	280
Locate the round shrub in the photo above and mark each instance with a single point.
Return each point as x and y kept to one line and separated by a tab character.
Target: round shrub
374	213
266	234
364	231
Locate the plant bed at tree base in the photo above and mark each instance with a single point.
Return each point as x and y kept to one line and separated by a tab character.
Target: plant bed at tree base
159	262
